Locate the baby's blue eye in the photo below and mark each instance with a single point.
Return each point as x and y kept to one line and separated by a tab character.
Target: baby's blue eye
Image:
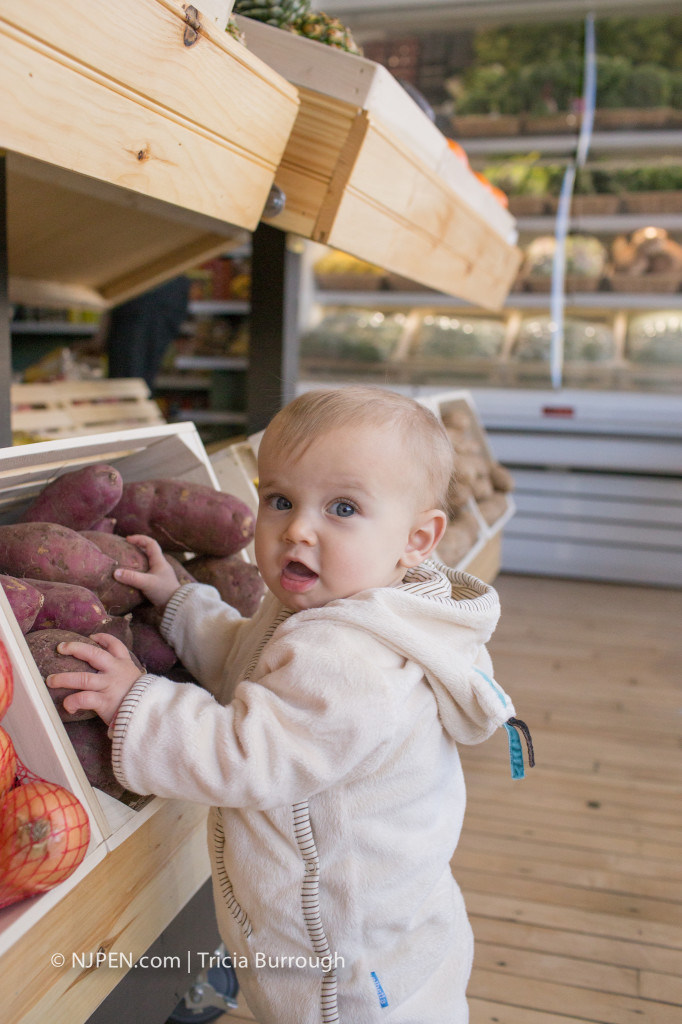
279	503
344	509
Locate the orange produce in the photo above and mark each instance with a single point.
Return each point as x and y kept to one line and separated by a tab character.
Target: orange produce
8	762
459	151
493	189
6	680
44	835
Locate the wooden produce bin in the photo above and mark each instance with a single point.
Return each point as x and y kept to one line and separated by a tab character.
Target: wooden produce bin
366	171
70	408
484	557
140	137
143	865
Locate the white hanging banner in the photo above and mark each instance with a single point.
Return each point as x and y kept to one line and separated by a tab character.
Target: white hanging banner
557	297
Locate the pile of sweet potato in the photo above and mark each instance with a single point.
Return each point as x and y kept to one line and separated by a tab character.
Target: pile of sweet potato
57	562
478	483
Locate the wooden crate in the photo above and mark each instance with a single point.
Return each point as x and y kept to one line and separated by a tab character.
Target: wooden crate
137	146
367	172
142	865
162	451
484	557
43	412
236	470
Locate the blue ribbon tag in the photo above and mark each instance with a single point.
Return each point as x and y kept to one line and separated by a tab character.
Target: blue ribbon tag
515	753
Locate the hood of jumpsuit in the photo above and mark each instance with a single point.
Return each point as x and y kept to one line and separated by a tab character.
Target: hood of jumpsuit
439	618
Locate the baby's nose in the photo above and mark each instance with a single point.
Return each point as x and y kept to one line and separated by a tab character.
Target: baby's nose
299	529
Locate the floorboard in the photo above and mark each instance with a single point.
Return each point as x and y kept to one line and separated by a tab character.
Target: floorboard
573	875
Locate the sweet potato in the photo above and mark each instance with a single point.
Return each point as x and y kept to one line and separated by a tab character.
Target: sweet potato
68	606
502	479
78	498
118	598
120	627
43	645
239	583
93	747
178	567
50	551
184	516
150	647
106	525
25	601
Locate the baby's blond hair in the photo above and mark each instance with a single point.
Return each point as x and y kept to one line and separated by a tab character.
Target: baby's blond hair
428	452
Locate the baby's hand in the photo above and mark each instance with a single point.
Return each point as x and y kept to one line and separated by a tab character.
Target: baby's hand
104	690
159	583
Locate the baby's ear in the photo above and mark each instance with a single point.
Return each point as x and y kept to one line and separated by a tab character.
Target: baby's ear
424	536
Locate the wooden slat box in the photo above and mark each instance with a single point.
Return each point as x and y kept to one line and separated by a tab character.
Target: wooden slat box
484	557
367	172
142	865
74	408
162	451
140	138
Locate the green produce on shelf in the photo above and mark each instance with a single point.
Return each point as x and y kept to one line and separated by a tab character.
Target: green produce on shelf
612	73
647	85
655	338
367	336
460	337
584	341
524	175
585	256
272	12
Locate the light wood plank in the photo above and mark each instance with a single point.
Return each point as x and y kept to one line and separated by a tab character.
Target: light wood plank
572	876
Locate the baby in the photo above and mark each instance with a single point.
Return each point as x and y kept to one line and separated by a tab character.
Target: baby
324	734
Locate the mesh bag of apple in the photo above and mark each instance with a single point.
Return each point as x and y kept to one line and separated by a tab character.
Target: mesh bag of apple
44	829
56	568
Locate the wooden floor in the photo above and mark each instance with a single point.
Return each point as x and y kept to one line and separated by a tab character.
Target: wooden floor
573	876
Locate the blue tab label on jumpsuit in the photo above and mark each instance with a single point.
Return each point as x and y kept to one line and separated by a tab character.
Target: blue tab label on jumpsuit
515	752
380	992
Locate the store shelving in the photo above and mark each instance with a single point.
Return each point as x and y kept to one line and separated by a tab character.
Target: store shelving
429	219
597	462
611	142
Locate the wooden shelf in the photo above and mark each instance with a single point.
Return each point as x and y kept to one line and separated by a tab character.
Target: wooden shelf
430	219
125	165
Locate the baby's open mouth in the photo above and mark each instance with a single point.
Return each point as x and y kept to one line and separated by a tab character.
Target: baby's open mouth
297	577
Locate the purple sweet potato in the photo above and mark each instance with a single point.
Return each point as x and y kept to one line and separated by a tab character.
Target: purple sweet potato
43	646
25	601
68	606
50	551
150	647
78	498
239	583
118	598
106	525
93	747
178	567
184	516
120	627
